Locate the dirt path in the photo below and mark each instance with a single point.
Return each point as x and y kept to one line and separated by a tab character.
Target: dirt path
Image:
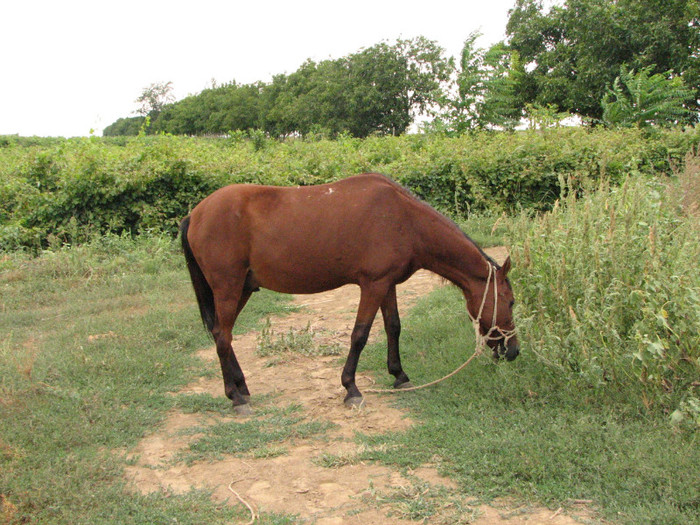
293	482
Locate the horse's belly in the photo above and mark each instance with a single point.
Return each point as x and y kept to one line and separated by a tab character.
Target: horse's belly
290	279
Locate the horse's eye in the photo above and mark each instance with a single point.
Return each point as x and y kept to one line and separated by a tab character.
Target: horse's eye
512	303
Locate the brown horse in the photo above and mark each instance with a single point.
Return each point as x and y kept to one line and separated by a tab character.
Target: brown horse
364	230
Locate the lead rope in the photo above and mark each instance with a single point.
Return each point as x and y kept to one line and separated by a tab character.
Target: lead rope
479	339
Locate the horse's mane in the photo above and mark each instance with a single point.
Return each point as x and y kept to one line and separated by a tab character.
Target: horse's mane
428	208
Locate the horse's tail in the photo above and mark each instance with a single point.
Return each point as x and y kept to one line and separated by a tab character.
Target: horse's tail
205	296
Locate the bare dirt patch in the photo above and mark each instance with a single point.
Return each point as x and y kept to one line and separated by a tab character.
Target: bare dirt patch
296	480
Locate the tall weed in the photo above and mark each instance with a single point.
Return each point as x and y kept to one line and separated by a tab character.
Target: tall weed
609	291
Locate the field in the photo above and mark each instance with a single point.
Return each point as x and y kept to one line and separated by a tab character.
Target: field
597	420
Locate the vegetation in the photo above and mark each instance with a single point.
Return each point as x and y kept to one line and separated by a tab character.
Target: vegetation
610	296
566	59
572	52
524	430
376	90
602	222
71	190
640	99
602	406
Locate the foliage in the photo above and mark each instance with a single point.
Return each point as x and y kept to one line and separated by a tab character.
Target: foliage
608	294
486	96
154	98
76	321
69	190
129	126
602	404
540	117
526	432
565	57
641	99
304	341
573	51
215	110
378	90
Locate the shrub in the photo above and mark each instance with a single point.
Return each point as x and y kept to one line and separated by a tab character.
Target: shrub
609	293
73	189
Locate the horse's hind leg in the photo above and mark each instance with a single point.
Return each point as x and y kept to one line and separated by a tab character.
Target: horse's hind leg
392	326
229	304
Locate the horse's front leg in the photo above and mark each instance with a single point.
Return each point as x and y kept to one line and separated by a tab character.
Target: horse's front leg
370	299
392	327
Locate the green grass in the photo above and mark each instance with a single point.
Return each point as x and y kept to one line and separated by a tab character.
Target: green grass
261	436
303	341
610	296
94	339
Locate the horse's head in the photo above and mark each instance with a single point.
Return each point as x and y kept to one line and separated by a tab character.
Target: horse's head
491	302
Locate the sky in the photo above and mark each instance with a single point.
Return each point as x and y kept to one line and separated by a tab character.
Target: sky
72	67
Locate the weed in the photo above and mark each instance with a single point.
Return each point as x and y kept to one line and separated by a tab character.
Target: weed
583	413
304	342
606	294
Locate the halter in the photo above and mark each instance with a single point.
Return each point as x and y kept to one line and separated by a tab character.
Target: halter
505	334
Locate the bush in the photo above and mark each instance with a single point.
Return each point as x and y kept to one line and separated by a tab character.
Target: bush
609	293
75	188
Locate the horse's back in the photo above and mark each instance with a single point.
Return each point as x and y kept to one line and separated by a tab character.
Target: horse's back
312	238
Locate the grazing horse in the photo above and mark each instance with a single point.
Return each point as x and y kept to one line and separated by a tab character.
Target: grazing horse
364	230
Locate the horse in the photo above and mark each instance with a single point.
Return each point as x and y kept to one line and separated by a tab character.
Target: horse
365	230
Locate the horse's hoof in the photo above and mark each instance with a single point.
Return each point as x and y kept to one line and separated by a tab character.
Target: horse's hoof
243	410
402	386
354	402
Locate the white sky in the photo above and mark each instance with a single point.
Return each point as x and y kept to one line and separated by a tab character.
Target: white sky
74	65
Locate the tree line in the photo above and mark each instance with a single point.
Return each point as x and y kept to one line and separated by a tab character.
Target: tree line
615	62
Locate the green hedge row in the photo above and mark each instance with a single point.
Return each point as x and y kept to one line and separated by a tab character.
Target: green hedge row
67	190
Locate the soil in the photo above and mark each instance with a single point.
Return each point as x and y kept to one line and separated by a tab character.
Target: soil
293	482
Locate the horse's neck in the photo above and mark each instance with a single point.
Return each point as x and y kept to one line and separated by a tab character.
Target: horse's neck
451	254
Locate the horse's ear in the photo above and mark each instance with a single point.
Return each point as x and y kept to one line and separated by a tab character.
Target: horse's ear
505	268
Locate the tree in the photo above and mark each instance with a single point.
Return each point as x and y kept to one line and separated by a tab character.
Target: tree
154	98
377	90
129	126
380	89
486	90
573	52
641	99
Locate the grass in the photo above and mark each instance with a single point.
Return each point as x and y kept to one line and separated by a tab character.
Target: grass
518	430
419	501
258	437
94	339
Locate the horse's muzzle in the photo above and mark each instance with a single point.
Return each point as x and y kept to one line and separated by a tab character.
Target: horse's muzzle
510	351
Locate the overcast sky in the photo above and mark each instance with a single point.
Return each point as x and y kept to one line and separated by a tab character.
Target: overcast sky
72	66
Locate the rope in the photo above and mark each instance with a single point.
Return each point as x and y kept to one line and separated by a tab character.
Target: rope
480	340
